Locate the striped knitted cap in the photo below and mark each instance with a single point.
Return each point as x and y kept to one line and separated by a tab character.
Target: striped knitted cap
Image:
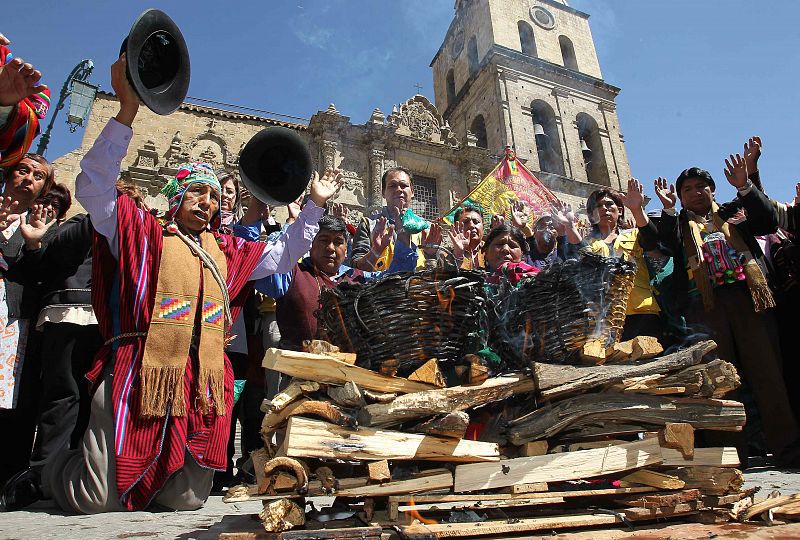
188	174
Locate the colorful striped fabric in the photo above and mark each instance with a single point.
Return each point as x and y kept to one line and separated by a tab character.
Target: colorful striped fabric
176	309
509	181
212	312
149	450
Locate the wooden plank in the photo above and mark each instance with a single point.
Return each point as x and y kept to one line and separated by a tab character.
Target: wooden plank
536	487
345	533
557	380
481	505
556	467
718	414
414	485
521	496
654	479
647	514
324	369
314	438
444	401
711	480
486	528
707	457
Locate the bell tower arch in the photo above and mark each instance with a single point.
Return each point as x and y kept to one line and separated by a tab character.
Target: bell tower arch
527	73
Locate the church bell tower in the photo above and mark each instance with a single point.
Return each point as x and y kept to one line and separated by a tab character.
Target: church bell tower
525	73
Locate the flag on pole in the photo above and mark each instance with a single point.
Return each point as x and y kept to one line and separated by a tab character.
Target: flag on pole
509	181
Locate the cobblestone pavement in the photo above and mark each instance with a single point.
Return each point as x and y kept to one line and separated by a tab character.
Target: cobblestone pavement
43	521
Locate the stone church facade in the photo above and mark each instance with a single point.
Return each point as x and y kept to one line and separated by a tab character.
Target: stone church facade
523	73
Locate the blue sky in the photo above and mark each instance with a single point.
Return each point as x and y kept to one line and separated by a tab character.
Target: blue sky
697	77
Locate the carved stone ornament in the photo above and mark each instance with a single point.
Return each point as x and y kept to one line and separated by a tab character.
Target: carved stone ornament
418	118
329	154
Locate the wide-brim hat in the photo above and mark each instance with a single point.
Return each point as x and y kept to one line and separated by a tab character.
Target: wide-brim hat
158	61
275	166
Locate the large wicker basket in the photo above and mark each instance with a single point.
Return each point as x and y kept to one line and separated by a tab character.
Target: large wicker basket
551	316
404	320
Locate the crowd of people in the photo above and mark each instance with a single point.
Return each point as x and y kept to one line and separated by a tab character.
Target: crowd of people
132	340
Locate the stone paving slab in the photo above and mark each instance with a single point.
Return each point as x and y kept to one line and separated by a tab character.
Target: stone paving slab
44	521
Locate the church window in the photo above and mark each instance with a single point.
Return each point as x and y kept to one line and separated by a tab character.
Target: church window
478	128
451	87
472	56
547	139
425	202
568	53
526	40
592	150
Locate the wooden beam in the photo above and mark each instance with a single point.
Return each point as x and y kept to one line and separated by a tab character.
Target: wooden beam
313	438
444	401
557	467
654	479
414	485
654	410
766	504
557	380
572	494
712	457
324	369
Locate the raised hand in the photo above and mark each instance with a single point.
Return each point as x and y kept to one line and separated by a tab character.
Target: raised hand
295	206
752	151
634	197
8	212
562	214
797	194
381	236
4	40
18	80
520	214
128	98
326	187
665	192
459	239
340	211
40	220
736	171
497	221
431	238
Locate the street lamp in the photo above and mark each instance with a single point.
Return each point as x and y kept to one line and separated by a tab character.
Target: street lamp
82	93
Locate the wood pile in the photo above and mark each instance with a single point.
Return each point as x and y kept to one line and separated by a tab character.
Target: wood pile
561	447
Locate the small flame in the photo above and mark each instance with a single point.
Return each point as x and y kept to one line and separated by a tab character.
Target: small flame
416	515
447	303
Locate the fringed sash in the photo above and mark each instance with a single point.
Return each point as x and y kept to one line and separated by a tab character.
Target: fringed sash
754	276
171	331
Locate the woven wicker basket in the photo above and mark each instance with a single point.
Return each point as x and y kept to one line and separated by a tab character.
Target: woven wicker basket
403	320
550	316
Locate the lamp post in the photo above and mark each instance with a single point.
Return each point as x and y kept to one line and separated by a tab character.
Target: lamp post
82	93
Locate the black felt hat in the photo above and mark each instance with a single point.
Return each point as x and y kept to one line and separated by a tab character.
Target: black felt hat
275	165
158	61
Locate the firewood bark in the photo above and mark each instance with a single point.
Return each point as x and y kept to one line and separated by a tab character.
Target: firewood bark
294	391
312	438
450	425
281	515
443	401
648	410
680	437
557	380
378	471
321	409
654	479
714	379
